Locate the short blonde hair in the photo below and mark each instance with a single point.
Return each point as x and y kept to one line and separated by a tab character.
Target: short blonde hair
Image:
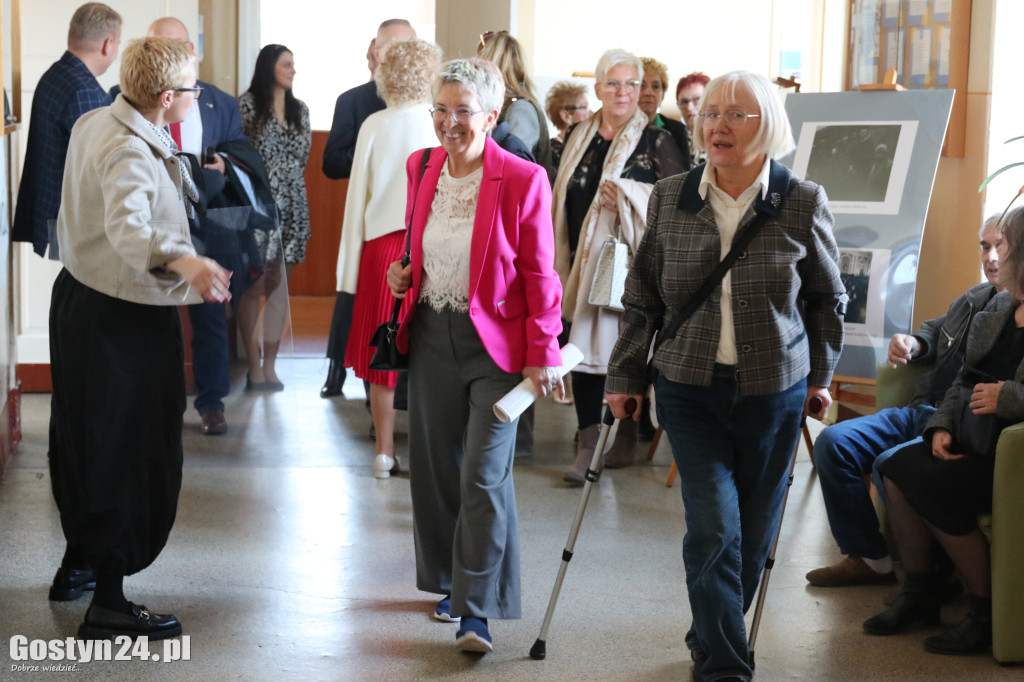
774	137
151	65
652	67
560	94
408	72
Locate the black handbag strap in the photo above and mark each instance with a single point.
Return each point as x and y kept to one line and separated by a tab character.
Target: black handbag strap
713	280
407	258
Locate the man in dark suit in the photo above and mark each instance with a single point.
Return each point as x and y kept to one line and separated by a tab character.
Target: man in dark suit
67	90
218	123
351	109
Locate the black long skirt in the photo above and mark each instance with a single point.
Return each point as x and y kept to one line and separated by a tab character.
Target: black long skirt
115	424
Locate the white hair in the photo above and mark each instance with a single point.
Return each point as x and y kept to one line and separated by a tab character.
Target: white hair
614	57
478	76
774	137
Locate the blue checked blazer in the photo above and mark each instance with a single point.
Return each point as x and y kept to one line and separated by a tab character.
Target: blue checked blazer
787	298
65	92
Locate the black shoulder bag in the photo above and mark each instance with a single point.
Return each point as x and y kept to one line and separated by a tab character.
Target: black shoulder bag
387	357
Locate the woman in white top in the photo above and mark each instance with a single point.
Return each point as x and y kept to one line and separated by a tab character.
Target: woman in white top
373	234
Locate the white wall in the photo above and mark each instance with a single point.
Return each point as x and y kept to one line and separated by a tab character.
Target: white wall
43	40
330	51
1007	105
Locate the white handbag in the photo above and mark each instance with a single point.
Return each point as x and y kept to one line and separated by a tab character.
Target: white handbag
610	275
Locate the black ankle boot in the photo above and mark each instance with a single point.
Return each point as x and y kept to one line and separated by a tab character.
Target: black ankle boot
918	602
972	636
335	380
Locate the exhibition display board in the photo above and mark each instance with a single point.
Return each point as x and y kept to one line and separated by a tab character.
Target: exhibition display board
876	155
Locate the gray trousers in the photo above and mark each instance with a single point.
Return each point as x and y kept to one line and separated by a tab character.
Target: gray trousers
460	469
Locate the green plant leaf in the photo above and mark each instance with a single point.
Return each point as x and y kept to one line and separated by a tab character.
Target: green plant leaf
998	172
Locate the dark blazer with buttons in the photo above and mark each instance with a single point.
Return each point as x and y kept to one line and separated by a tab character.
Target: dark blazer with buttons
65	92
787	297
350	110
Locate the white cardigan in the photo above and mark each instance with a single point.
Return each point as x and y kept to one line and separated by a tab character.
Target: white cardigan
375	205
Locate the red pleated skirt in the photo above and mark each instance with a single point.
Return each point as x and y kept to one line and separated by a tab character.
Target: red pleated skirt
373	305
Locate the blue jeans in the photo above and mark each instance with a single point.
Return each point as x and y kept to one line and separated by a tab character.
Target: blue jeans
211	363
733	454
843	454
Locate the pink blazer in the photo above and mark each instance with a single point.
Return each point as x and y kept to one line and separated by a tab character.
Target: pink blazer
514	292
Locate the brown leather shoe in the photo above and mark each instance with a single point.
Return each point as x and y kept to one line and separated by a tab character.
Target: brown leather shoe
852	570
214	423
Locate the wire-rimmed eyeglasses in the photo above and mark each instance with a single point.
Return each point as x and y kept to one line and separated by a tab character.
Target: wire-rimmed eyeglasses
734	118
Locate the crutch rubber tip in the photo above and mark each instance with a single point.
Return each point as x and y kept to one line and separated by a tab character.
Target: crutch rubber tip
539	650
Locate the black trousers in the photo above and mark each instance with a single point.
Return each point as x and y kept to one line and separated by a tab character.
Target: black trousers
115	424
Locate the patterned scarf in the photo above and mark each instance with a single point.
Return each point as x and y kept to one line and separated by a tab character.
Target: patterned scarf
622	145
187	185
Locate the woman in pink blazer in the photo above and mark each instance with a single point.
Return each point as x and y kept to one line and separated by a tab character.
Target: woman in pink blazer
486	315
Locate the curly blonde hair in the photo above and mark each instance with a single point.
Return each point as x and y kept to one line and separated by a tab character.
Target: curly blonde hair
652	67
407	72
560	94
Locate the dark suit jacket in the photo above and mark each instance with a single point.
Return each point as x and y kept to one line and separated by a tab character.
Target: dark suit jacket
678	132
65	92
351	109
510	143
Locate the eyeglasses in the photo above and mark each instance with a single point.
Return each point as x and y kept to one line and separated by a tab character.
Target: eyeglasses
488	34
733	118
575	107
683	102
629	86
460	116
196	89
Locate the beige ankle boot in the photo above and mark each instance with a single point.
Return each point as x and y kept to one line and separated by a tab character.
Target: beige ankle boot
623	450
584	453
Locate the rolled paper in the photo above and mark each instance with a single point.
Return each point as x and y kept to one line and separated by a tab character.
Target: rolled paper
513	403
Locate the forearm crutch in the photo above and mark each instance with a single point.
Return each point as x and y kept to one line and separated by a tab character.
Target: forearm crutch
539	649
814	405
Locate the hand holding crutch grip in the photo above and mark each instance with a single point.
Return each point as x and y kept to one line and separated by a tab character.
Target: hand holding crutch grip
539	649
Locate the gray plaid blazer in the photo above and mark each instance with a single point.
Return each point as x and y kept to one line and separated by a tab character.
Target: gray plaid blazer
787	298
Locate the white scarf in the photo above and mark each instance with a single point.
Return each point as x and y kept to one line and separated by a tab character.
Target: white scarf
622	146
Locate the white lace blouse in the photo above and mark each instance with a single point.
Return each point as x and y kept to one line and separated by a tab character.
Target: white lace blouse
447	237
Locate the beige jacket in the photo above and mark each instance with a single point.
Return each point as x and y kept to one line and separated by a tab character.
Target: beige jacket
122	215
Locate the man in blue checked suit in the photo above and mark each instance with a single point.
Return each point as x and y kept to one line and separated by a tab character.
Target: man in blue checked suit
67	90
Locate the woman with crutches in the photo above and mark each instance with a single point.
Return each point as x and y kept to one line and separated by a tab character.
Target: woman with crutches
735	379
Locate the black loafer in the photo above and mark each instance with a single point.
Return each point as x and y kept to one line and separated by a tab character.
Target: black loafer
69	584
101	623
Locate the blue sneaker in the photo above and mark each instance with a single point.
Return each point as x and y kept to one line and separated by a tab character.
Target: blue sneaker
473	636
443	612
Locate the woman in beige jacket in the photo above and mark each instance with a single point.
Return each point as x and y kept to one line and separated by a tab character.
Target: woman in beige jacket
116	350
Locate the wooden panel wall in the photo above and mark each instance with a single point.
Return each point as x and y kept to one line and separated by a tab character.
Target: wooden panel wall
317	275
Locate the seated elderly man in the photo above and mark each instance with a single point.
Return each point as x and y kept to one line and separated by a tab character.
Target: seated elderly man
846	451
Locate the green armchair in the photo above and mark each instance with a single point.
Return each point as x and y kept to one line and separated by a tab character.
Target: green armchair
1005	526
